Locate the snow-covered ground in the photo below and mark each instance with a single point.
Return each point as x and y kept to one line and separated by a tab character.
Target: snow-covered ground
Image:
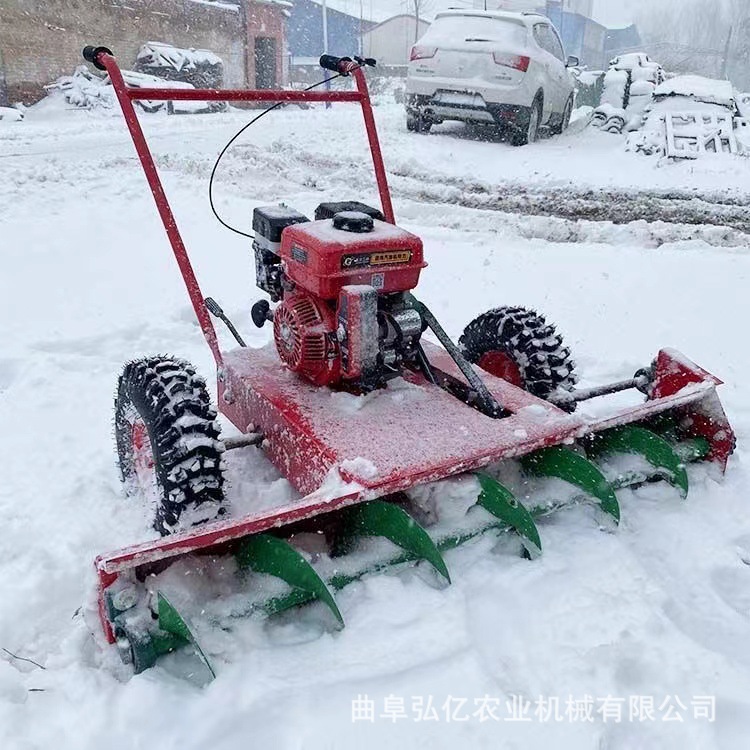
659	611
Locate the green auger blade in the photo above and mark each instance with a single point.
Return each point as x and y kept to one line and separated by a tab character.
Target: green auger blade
640	441
577	470
265	553
381	518
501	503
693	449
171	621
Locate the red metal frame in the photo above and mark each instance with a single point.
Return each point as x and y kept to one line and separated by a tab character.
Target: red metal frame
126	95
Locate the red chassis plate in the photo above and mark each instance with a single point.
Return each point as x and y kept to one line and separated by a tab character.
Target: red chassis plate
405	434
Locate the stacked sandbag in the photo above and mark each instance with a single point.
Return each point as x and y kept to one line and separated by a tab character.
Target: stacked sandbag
644	75
615	88
609	118
641	93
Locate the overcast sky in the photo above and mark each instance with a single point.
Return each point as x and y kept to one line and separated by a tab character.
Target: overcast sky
608	12
615	12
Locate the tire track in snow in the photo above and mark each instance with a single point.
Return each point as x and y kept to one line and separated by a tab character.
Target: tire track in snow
583	203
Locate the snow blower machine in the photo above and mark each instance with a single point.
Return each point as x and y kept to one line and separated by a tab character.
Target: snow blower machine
399	444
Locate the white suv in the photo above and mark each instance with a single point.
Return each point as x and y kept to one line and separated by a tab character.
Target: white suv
494	67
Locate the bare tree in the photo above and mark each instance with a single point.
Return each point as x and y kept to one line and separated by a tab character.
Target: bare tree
689	35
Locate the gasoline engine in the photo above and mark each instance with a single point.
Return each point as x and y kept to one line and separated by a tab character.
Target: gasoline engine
340	281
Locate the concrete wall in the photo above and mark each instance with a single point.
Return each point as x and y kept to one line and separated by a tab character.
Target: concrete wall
391	41
41	40
305	31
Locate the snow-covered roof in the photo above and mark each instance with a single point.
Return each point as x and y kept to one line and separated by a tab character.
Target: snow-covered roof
502	15
233	7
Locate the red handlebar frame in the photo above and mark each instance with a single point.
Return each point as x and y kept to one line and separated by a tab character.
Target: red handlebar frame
126	95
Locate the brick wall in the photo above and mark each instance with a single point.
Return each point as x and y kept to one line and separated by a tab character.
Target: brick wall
266	20
41	40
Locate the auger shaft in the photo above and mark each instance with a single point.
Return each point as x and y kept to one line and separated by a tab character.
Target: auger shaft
585	394
497	510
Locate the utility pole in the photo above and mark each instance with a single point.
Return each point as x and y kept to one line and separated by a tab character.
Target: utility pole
727	48
361	28
325	43
562	20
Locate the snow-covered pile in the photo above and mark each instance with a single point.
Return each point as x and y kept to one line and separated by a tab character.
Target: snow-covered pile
83	89
200	67
161	55
628	87
615	88
699	89
86	90
640	66
9	114
609	118
695	99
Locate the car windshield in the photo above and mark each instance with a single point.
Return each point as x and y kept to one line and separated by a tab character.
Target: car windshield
455	28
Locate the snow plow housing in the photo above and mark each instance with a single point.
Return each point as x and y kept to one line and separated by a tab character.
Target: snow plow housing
363	415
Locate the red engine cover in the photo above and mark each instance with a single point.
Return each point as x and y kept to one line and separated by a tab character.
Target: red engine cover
322	259
302	330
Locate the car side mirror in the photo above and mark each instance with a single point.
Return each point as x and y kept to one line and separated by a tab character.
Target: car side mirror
573	62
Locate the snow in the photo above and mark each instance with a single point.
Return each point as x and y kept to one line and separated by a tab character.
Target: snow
700	89
217	4
660	608
359	466
87	90
158	54
10	114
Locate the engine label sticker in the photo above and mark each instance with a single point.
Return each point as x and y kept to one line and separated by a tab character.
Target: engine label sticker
299	254
390	258
381	258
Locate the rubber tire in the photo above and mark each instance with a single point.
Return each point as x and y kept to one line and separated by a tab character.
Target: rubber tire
173	403
565	120
536	348
418	124
520	134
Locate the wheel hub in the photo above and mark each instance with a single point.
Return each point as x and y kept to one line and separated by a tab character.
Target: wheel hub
501	365
143	456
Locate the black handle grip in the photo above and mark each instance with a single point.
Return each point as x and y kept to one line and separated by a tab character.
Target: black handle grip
91	54
331	62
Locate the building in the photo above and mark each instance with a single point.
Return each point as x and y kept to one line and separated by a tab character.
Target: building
41	40
306	37
265	42
390	42
622	40
582	7
581	35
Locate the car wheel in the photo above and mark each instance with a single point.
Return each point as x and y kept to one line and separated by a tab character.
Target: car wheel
566	115
527	130
418	124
